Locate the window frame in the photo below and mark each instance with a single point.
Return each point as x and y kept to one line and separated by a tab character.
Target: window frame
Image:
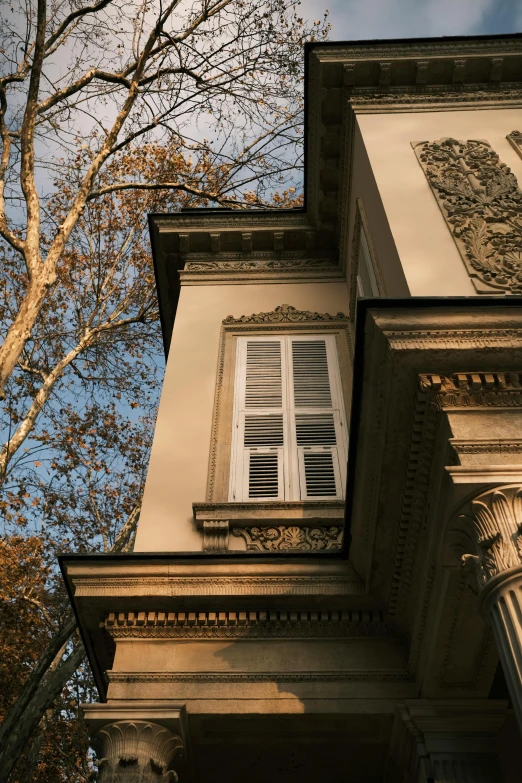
221	437
362	244
292	483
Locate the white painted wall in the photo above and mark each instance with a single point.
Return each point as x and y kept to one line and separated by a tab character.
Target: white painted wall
430	259
178	467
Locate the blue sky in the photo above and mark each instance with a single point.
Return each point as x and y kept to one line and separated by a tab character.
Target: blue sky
362	19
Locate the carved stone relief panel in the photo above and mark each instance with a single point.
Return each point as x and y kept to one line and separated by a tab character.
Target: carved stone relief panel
515	139
482	204
293	537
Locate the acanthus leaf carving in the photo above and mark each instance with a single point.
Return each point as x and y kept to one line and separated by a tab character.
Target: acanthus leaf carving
136	751
282	313
492	524
482	204
293	537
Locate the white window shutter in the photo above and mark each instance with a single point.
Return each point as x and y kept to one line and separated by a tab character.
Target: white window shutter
318	429
290	438
257	459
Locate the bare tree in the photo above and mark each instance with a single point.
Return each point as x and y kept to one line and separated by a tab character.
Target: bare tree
108	110
118	71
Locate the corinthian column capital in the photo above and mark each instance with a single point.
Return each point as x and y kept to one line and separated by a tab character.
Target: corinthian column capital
490	528
136	752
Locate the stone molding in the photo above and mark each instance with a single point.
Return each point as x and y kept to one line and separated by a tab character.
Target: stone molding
137	751
247	625
473	389
215	585
455	339
284	313
299	511
259	270
515	139
491	532
404	100
375	675
291	538
481	202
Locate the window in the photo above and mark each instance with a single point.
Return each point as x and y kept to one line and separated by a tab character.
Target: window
366	281
289	439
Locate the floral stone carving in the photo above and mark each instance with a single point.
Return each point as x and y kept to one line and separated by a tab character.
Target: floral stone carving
482	203
273	539
283	313
491	529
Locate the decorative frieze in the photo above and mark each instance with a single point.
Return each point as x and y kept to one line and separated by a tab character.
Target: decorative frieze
473	389
482	204
247	625
284	313
258	264
136	751
288	538
515	139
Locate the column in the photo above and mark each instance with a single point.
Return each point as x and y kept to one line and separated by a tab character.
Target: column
132	749
491	543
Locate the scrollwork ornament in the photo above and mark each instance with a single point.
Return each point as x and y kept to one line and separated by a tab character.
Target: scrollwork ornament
482	204
285	538
284	313
492	526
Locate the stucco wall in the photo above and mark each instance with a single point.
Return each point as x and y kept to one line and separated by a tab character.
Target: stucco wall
430	259
178	467
364	187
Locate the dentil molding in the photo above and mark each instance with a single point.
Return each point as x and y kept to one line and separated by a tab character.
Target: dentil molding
482	204
248	624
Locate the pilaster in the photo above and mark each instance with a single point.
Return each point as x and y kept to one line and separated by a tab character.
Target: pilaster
446	742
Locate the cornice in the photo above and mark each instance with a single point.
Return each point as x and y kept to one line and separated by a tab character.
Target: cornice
247	624
214	585
376	675
412	49
235	220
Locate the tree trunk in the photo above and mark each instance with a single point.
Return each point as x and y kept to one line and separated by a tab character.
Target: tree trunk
50	688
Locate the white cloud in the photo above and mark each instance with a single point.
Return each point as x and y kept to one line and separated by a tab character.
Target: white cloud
366	19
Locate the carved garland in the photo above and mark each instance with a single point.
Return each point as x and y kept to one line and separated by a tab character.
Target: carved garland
482	204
